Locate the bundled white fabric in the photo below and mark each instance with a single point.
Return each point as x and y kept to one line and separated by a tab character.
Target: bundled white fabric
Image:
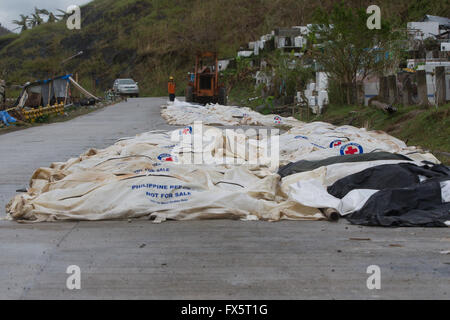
200	172
445	187
150	175
303	141
177	192
327	175
183	113
312	193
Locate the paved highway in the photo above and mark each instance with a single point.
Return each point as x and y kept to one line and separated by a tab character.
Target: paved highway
201	259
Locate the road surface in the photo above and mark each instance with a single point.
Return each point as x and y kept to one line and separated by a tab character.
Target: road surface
218	259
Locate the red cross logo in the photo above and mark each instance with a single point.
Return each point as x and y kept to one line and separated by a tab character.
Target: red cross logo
337	144
351	150
165	157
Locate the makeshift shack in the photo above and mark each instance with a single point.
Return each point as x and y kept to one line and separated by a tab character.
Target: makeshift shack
50	92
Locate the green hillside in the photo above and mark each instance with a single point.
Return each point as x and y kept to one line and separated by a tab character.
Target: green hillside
150	39
3	31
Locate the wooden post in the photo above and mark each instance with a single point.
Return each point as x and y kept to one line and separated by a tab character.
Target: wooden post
78	95
2	95
383	94
67	93
422	91
360	93
440	85
50	87
392	89
407	91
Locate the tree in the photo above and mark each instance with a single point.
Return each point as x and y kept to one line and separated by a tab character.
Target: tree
42	11
62	15
348	50
36	19
26	22
291	73
51	18
22	23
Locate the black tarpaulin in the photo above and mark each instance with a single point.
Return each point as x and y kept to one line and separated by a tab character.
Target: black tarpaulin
387	176
408	196
420	205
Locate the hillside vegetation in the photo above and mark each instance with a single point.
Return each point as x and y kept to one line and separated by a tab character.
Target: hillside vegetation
150	39
3	31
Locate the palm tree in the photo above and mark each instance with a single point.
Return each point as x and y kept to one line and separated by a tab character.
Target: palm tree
51	18
50	15
41	11
36	19
22	23
63	15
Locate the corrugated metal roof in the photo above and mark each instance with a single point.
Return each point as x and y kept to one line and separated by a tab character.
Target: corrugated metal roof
440	20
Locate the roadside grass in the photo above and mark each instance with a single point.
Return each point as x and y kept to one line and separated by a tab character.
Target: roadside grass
244	94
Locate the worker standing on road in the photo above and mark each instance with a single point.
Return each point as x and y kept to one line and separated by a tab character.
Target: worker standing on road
172	88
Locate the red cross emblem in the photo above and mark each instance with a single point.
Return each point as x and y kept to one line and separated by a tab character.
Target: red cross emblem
186	130
165	157
335	143
351	150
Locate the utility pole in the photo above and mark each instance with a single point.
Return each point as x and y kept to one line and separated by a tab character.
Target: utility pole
71	58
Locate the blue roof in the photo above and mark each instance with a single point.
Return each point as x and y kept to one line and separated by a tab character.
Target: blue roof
65	77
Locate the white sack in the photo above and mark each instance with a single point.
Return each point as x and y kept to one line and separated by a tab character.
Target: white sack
156	174
312	193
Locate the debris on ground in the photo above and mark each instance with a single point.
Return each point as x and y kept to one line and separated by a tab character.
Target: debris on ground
6	119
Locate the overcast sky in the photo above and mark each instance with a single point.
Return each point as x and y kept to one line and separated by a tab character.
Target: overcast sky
11	9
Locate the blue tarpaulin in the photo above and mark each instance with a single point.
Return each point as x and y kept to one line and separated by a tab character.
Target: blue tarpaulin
6	118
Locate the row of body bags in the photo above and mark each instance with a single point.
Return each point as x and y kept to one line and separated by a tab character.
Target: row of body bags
203	172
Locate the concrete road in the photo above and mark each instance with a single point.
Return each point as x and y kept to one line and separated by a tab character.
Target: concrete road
202	259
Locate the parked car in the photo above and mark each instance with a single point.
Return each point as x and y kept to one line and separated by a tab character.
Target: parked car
126	87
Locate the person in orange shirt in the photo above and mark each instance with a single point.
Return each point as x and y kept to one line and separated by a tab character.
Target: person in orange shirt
172	88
